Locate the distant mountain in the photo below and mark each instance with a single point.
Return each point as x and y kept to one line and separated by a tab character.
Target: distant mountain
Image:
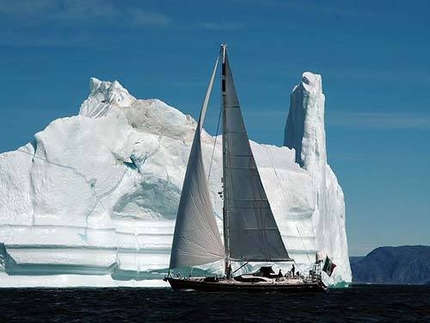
393	265
355	259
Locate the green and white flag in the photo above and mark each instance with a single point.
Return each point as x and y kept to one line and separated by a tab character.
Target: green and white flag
329	266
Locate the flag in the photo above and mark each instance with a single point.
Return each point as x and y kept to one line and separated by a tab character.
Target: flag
329	266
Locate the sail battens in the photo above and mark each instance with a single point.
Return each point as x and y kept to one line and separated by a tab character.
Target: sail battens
250	200
241	168
248	208
250	229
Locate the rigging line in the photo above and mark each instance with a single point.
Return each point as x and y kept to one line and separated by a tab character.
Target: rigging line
285	197
240	267
298	265
206	103
279	181
274	170
304	247
215	141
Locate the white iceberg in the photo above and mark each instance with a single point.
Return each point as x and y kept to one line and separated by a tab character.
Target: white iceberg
92	200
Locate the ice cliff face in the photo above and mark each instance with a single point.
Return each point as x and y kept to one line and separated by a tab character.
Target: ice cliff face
97	193
305	133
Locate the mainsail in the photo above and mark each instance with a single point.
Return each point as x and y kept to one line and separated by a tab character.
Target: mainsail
196	239
250	230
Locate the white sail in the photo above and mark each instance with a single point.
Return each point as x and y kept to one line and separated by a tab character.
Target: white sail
250	230
196	239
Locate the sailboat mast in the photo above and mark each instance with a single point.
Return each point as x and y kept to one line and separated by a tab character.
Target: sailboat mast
224	157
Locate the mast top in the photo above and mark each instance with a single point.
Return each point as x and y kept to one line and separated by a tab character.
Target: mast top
223	50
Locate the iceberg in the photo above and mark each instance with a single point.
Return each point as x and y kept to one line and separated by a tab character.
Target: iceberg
92	199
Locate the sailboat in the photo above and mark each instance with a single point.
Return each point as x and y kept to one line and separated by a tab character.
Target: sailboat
249	227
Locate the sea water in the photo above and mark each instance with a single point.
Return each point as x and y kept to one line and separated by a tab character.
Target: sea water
354	304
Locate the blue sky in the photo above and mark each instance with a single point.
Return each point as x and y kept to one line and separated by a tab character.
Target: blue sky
373	57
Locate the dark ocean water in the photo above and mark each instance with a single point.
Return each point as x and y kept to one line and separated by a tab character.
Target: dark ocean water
356	304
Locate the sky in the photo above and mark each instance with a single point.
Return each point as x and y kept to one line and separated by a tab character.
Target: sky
374	58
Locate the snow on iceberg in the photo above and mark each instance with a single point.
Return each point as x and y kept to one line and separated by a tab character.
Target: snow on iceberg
97	194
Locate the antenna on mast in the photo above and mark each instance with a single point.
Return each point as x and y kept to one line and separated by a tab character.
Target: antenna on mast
223	49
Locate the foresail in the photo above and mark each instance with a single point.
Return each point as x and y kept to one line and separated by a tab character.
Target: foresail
250	230
196	239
